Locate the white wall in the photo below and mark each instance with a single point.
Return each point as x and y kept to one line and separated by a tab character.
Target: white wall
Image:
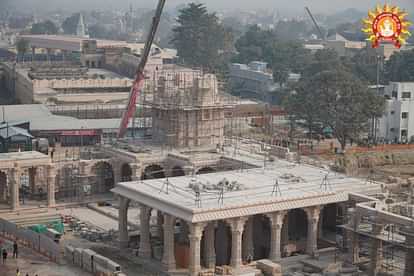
396	105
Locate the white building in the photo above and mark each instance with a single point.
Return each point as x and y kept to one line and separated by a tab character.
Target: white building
397	123
255	78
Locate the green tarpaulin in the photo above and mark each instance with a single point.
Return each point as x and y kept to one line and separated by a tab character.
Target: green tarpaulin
41	228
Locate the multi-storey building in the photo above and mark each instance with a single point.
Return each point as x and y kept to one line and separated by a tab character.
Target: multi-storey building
397	123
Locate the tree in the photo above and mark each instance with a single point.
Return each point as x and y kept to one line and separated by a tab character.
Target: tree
255	44
199	38
70	24
22	46
46	27
323	60
287	57
400	66
301	106
336	99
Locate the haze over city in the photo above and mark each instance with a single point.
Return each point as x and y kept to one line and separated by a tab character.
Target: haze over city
320	6
206	138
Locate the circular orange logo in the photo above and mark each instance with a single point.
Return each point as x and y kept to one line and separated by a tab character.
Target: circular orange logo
386	24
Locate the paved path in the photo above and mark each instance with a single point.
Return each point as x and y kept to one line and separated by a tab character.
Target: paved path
32	263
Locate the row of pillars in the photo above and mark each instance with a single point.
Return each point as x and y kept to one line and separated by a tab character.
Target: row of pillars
238	227
14	182
49	53
376	250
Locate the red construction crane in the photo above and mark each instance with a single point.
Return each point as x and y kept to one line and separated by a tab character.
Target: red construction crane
139	78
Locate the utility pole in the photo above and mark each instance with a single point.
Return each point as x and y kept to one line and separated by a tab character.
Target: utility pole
379	58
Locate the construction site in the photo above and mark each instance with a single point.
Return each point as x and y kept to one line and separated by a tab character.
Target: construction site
183	198
191	181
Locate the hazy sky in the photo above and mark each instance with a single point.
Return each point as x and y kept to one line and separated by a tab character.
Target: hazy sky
318	6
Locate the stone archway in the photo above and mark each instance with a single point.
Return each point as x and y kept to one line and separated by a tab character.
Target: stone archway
223	243
206	170
177	171
126	173
104	178
153	172
4	193
327	227
261	237
295	232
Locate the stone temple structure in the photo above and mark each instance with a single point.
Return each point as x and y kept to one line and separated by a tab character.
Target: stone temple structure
187	110
227	218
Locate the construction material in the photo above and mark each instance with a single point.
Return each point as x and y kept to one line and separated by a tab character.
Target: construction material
91	261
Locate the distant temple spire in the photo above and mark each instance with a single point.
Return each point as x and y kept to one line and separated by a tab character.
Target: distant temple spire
81	28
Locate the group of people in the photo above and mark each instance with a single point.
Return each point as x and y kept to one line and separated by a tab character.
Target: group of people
4	252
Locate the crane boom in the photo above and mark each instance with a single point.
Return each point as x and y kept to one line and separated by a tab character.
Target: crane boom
315	23
138	83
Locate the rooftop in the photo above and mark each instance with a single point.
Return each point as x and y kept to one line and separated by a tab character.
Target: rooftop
246	192
41	118
24	159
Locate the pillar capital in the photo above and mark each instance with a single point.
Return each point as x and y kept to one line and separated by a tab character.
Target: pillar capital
313	213
196	230
237	224
276	219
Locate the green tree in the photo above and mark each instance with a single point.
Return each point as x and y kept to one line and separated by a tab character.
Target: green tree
337	99
199	38
323	60
287	57
45	27
400	66
255	44
302	107
70	24
22	46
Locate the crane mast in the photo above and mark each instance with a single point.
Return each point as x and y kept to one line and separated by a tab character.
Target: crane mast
315	23
138	83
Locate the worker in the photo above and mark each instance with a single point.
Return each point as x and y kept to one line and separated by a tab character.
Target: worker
15	249
4	253
17	272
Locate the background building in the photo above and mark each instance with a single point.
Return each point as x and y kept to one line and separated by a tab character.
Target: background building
397	124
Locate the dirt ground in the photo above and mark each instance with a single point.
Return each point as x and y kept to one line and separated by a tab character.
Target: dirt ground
31	263
404	171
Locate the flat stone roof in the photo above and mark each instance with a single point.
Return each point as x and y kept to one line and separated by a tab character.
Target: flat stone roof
300	186
23	159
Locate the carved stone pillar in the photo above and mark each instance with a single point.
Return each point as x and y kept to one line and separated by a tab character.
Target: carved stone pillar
376	250
409	255
313	214
123	222
276	222
354	247
14	175
51	182
196	232
145	243
237	227
168	258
